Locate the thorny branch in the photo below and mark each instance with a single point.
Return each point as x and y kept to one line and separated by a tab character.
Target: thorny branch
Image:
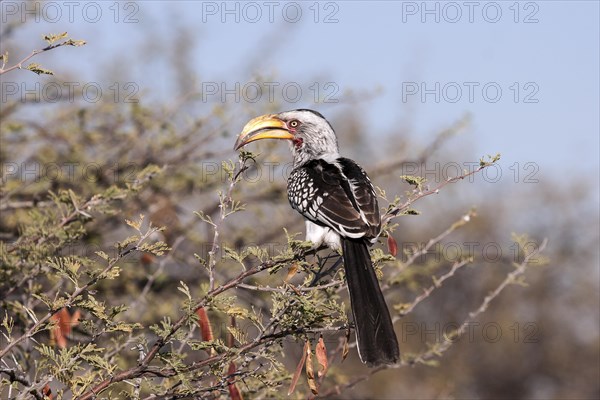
394	211
224	202
15	376
145	369
427	292
73	296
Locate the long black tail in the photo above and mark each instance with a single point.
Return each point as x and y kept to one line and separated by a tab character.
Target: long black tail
377	343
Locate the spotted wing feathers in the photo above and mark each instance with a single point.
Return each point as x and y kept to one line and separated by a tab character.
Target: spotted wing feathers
338	195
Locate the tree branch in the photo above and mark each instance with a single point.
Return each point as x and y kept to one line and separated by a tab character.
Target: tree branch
394	211
69	301
19	65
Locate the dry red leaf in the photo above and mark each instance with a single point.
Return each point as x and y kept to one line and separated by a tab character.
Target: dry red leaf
310	372
299	368
64	324
321	353
204	323
147	259
47	392
230	338
291	272
392	245
234	392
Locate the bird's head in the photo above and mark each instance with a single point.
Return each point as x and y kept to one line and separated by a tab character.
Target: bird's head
308	132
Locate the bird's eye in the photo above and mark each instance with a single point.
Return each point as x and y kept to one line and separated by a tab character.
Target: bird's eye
294	123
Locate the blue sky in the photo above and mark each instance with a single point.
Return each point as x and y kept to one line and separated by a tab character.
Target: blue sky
543	56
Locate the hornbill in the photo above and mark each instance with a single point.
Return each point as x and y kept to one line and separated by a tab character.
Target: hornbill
336	197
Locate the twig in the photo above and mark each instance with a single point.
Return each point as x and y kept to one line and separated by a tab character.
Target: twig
296	288
156	274
69	301
224	202
142	368
460	222
19	65
14	376
510	278
427	292
392	213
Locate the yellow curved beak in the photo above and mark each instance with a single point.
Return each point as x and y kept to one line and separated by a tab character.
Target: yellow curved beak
264	127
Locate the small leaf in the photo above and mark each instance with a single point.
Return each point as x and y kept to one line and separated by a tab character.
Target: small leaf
8	323
51	38
411	211
236	335
102	255
183	288
204	217
76	43
37	68
135	224
232	255
491	160
416	181
237	312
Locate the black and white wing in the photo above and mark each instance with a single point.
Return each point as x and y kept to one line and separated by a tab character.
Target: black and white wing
338	195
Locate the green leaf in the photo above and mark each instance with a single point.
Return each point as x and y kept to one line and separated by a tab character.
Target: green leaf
164	329
156	248
416	181
136	224
122	327
183	288
8	323
76	43
102	255
411	211
232	255
204	217
239	335
94	306
51	38
491	160
37	68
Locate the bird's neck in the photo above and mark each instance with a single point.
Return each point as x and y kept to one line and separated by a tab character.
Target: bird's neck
304	156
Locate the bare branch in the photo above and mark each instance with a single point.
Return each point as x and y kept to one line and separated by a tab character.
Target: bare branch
437	282
394	211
